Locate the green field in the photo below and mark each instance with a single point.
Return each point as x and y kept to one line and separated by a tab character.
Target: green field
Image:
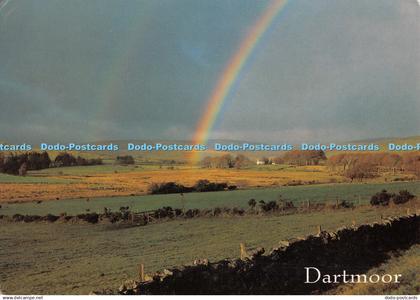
40	258
239	198
63	258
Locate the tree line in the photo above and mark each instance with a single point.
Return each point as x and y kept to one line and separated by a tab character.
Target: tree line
295	157
367	165
202	185
352	165
301	158
20	164
226	161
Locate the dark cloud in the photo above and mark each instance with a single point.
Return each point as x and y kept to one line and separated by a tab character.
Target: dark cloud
332	70
102	69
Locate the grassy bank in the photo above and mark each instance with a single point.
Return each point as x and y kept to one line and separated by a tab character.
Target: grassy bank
406	263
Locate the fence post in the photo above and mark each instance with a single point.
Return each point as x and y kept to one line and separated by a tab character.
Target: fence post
141	273
243	253
319	229
182	202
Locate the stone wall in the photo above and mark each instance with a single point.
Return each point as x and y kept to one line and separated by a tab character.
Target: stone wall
281	271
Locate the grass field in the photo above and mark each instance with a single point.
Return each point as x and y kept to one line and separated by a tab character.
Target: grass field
239	198
91	170
406	263
5	178
110	180
41	258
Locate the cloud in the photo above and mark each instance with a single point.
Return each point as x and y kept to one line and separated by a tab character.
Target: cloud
346	70
86	70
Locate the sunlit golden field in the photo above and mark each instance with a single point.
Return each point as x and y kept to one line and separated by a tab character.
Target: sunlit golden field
100	181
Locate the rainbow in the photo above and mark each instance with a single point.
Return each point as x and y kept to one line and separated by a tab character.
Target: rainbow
230	74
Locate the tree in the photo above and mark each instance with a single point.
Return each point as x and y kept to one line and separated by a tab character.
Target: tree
265	160
23	169
125	160
12	163
65	159
1	161
226	161
241	161
381	198
278	160
203	185
38	161
206	162
252	203
403	197
301	158
360	170
411	163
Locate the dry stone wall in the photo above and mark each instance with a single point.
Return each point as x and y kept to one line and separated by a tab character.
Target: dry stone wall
282	270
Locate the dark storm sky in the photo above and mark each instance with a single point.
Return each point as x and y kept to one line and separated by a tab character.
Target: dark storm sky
101	69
